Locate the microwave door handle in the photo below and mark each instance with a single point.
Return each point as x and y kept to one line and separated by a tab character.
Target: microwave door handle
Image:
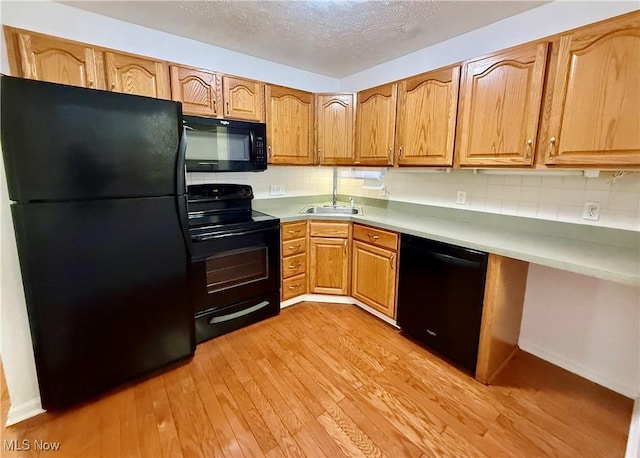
251	141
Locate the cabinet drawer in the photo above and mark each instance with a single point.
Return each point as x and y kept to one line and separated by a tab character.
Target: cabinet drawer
376	237
329	229
294	286
294	246
294	265
294	230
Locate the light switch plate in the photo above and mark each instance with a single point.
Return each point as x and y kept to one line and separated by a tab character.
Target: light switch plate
276	190
461	197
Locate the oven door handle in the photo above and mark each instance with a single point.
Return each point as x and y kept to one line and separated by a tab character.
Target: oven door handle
205	237
234	315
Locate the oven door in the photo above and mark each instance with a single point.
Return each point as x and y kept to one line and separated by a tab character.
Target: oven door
234	266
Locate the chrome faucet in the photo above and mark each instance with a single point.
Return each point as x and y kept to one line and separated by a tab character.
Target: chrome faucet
352	202
334	201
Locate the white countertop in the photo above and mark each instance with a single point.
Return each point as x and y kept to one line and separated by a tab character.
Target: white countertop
609	254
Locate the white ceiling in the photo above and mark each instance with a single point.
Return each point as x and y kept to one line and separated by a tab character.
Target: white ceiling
332	37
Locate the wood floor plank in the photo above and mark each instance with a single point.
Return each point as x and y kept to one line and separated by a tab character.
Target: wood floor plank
330	380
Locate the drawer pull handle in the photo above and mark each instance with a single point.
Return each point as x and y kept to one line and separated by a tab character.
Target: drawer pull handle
294	248
294	286
294	266
291	232
373	237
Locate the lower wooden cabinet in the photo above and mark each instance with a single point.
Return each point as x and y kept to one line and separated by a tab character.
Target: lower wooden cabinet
294	259
330	256
375	268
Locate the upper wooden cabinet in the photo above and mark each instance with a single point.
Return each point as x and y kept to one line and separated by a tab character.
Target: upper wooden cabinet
595	117
500	106
426	119
55	60
137	75
375	125
335	120
196	89
290	121
243	99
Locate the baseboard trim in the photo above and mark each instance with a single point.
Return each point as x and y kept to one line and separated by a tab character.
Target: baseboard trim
633	441
338	300
24	411
601	379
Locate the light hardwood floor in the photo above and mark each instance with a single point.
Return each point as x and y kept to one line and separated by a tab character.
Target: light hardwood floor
331	380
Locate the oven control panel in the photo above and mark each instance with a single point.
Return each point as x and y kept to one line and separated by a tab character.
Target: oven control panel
219	192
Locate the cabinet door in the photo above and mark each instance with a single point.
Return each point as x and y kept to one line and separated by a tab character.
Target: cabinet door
427	108
137	75
243	99
375	125
58	61
196	89
289	125
500	107
329	266
374	277
335	119
596	97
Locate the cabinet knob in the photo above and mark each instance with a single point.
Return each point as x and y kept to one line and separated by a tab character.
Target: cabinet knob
529	145
552	148
400	153
113	86
393	256
373	237
90	83
270	156
391	155
227	108
215	108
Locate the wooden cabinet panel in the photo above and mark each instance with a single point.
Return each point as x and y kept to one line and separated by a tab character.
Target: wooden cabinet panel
426	123
295	246
294	230
196	89
374	277
137	75
335	120
329	229
500	107
55	60
595	117
294	286
294	265
329	266
290	120
377	237
375	125
243	99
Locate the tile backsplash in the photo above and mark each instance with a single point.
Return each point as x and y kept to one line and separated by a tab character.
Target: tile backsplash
297	181
550	197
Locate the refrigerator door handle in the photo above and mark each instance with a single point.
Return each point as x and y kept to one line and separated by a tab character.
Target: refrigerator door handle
183	213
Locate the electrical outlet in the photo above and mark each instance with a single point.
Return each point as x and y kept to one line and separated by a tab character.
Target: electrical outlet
382	191
461	197
276	190
591	211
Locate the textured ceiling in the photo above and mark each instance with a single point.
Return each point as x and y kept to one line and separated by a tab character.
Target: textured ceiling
335	38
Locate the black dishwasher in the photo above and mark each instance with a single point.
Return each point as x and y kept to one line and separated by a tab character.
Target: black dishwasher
440	297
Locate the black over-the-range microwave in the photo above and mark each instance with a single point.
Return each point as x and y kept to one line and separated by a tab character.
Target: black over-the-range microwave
221	145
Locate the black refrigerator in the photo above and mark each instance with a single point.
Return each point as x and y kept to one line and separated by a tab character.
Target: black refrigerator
96	181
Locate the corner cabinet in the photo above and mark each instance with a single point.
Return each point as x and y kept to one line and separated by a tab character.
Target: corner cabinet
335	120
243	99
500	100
375	268
329	257
290	123
426	118
196	89
55	60
595	117
375	125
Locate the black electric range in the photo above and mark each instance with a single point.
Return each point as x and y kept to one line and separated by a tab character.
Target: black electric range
235	259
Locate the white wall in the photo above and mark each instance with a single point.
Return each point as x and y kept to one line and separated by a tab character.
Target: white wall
546	20
64	21
588	326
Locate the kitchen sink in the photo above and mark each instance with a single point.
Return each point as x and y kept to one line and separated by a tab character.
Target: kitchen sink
332	210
